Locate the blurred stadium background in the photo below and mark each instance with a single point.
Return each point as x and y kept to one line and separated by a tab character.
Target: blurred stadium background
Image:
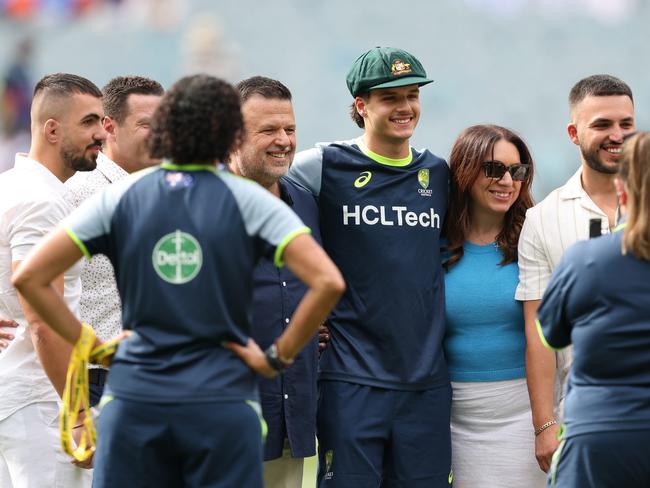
509	62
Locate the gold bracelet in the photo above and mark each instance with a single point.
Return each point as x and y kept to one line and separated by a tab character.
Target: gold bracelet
545	426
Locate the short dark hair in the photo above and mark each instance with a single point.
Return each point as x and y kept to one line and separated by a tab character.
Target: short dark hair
66	84
354	115
198	121
263	86
117	90
598	86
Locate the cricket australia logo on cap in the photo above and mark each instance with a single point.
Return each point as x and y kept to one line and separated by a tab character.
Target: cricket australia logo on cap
423	179
177	257
399	67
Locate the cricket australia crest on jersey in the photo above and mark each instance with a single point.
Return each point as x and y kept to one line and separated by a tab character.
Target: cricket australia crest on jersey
177	257
423	179
329	457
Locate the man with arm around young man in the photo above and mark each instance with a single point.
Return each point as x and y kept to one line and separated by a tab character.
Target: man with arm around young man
288	400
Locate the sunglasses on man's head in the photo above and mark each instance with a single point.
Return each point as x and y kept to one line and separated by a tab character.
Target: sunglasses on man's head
496	170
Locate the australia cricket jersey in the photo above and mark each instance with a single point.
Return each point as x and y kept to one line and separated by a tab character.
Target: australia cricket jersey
380	222
599	300
184	241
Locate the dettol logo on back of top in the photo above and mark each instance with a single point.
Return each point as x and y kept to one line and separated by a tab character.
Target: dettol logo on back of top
177	257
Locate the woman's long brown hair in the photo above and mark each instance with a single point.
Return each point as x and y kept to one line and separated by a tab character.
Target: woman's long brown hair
474	146
635	172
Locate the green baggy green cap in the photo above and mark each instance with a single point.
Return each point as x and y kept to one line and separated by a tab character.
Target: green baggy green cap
385	67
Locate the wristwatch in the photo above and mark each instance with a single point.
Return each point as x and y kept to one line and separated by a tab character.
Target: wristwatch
278	363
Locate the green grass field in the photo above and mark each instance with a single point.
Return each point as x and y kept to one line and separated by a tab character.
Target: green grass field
309	472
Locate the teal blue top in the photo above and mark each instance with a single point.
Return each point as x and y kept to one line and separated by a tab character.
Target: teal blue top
485	338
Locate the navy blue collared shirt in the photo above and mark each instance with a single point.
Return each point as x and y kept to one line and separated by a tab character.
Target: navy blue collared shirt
289	400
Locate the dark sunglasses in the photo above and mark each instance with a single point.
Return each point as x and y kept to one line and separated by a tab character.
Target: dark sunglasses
496	170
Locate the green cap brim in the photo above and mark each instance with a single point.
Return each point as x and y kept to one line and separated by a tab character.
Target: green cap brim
405	81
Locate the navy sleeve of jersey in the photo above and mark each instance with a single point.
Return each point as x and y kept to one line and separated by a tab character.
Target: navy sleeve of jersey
265	216
553	323
307	169
89	226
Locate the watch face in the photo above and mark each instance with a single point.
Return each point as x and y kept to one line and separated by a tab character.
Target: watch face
272	358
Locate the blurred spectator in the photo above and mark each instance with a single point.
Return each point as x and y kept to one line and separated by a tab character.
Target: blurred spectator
207	48
15	102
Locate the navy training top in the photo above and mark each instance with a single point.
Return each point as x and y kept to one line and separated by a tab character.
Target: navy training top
288	400
380	222
599	300
184	241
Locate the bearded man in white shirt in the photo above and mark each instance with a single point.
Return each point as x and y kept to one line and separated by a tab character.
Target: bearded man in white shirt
66	136
129	103
601	116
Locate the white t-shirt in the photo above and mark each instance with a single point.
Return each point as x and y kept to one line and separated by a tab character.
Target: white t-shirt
558	221
32	203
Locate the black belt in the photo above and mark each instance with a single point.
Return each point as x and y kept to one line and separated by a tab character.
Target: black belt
97	376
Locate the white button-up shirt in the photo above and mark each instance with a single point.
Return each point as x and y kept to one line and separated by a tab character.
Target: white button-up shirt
100	302
558	221
32	203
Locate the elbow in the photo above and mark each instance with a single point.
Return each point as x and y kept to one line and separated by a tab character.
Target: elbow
40	332
332	284
20	280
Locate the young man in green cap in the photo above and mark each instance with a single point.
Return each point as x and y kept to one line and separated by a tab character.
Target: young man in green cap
384	389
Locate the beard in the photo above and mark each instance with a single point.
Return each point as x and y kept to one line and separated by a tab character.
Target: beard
594	162
77	161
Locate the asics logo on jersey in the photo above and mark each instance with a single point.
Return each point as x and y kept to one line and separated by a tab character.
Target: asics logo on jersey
363	179
388	216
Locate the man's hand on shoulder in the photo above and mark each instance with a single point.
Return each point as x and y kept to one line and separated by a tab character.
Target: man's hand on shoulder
323	337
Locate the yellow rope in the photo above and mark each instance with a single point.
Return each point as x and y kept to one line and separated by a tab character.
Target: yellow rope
75	394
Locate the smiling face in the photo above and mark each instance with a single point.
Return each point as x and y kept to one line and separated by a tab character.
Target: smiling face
127	142
390	114
82	132
269	140
495	197
599	126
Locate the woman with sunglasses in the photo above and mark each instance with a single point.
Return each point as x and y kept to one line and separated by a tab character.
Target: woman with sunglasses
492	438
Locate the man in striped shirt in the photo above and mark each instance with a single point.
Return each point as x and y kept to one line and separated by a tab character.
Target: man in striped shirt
601	115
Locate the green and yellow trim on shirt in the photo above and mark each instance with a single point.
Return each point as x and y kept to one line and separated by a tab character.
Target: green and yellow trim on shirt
541	336
279	251
378	158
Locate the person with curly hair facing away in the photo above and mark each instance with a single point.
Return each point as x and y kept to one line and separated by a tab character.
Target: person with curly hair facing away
181	405
491	174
